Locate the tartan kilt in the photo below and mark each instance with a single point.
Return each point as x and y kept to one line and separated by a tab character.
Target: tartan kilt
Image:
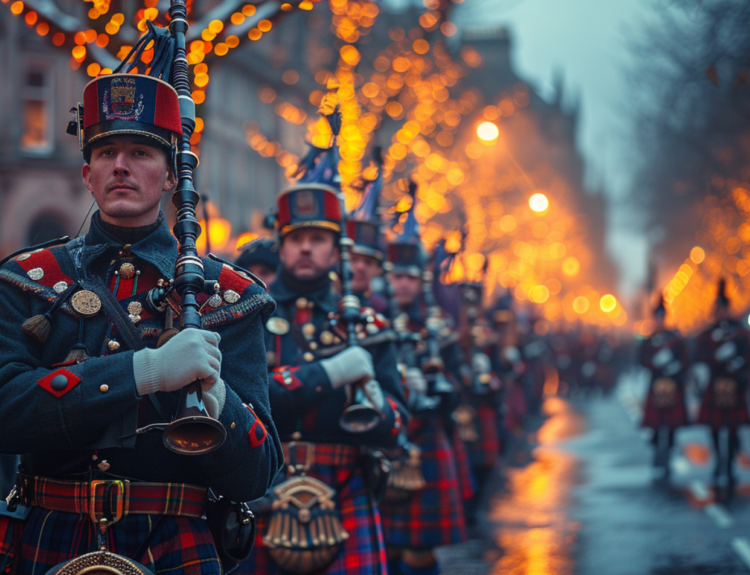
486	451
673	417
466	483
362	553
717	418
181	546
434	516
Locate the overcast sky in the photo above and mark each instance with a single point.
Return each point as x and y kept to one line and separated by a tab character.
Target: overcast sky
585	40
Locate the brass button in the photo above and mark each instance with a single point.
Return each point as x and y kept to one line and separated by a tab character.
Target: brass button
135	308
308	330
307	356
127	270
326	337
296	436
233	425
104	388
113	345
301	303
313	345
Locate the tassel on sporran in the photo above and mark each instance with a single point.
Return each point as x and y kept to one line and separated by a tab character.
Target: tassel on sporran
304	532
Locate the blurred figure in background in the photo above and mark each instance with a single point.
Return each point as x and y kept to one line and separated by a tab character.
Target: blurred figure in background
664	353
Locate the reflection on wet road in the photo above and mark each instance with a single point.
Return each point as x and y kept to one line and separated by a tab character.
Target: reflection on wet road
532	523
584	501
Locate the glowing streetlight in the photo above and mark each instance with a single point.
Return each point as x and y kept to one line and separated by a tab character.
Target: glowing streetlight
538	202
581	304
608	303
697	254
488	131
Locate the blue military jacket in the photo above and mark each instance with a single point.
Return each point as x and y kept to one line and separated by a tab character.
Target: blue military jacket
304	404
84	425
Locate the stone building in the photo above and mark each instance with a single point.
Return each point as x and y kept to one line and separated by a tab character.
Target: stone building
41	193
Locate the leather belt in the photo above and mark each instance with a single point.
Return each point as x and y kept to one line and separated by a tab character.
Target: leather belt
108	501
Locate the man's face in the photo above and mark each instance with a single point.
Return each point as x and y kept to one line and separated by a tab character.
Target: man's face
405	288
308	253
364	269
127	176
265	273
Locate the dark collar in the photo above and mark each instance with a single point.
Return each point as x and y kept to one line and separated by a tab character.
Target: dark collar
158	248
324	297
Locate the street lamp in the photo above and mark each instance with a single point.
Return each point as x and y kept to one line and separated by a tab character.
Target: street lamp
538	203
488	131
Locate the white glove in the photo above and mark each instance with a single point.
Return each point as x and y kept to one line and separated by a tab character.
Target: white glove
375	394
191	355
349	366
214	397
480	363
415	380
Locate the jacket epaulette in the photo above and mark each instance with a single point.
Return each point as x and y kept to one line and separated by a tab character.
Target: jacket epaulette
239	293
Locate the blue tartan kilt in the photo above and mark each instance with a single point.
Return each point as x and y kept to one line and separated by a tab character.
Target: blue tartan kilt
433	516
362	553
181	546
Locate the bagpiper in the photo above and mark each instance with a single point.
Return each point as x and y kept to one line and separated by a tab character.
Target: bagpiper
664	354
479	412
508	363
433	516
724	347
261	258
367	252
336	395
92	357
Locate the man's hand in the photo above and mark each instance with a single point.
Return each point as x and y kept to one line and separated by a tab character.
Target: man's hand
191	355
349	366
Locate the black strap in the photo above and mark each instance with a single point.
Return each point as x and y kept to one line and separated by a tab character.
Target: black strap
58	241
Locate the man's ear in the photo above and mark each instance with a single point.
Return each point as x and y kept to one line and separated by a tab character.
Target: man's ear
86	176
170	182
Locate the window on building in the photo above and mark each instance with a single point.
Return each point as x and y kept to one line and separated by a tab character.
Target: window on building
36	110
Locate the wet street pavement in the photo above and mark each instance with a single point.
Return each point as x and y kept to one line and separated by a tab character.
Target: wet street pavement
586	502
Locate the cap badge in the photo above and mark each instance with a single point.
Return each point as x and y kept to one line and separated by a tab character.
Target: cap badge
120	102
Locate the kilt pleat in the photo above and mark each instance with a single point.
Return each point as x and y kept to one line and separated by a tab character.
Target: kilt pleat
363	553
717	418
486	451
181	545
434	516
466	483
673	417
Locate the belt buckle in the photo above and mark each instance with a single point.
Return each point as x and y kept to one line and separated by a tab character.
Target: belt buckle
309	456
102	490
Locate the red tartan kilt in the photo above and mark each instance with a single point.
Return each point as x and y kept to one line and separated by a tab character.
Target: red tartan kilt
463	466
181	545
486	451
363	553
434	516
717	418
672	417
